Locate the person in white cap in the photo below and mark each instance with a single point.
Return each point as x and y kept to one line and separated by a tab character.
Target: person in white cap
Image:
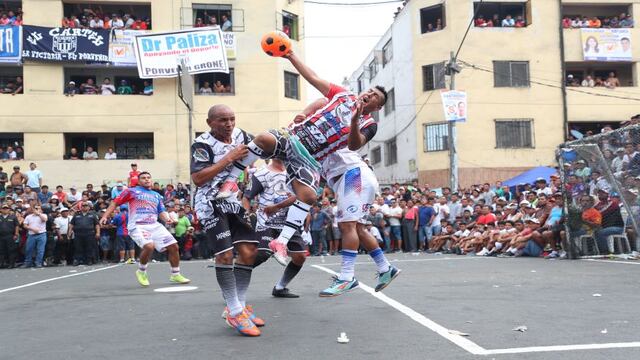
63	249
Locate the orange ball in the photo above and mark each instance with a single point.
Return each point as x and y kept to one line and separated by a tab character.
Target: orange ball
276	43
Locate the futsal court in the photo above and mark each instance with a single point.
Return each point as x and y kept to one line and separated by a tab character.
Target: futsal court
571	310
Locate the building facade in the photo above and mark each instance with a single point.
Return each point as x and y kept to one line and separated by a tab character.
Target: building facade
152	130
519	107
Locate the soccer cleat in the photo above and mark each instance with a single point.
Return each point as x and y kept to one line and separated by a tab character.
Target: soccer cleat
279	252
252	316
387	277
179	279
283	293
339	287
228	188
142	277
242	324
130	261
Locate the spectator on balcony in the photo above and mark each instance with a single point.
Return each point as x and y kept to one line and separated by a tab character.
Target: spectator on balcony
96	22
71	89
124	88
520	23
139	25
18	21
213	21
107	87
90	154
147	21
615	22
588	82
88	88
19	153
480	21
4	19
627	22
218	87
128	21
19	89
74	154
566	22
599	82
10	87
226	23
205	89
106	23
116	22
438	24
148	88
13	155
110	154
495	21
199	23
612	81
576	23
595	23
508	22
606	22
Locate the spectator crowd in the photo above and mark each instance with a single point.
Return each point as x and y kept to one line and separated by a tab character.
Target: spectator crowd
496	21
98	19
596	22
107	88
611	82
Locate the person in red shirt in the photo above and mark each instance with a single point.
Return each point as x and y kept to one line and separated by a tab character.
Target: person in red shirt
139	25
487	217
133	175
62	196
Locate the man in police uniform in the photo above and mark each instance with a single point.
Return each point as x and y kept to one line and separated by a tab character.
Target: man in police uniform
223	220
9	231
86	228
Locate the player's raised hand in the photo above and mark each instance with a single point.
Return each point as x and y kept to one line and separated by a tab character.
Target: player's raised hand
238	153
299	118
358	112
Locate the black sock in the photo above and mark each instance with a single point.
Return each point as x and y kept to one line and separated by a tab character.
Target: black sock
289	273
261	257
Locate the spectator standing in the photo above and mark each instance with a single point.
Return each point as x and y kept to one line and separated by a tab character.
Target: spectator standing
588	82
36	225
110	154
319	223
226	23
34	177
394	217
128	21
218	87
566	22
612	81
124	241
85	228
426	214
63	249
182	225
62	196
12	154
90	154
71	89
133	175
508	21
182	192
124	88
89	88
17	178
3	155
19	86
116	22
117	190
9	237
3	179
107	87
442	213
410	227
205	89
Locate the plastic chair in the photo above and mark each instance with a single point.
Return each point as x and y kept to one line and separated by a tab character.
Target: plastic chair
584	244
616	241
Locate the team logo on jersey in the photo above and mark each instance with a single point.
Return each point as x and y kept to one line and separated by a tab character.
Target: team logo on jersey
352	209
201	155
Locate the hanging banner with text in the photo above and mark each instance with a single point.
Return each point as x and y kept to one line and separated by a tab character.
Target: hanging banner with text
203	49
10	44
455	105
606	44
65	44
229	44
121	47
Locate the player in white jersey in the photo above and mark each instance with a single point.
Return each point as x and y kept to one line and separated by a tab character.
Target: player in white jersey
269	186
145	206
345	121
223	220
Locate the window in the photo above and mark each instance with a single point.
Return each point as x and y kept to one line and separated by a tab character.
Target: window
14	141
373	69
391	151
11	80
360	83
511	73
376	155
92	14
134	147
290	25
433	76
125	145
432	18
599	72
212	14
390	105
436	137
387	53
124	80
604	12
215	83
514	133
291	85
520	12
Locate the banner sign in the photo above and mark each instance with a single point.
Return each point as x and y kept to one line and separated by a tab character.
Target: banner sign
65	44
121	48
606	44
10	44
455	105
203	49
229	44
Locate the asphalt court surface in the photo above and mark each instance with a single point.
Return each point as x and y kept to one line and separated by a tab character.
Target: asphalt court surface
101	312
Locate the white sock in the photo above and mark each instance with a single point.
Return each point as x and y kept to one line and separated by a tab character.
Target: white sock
348	265
295	219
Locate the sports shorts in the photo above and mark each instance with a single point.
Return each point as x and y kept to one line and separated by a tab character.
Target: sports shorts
155	233
298	167
125	242
225	224
355	191
295	245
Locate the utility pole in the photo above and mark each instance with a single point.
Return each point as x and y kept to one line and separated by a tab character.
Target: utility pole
452	69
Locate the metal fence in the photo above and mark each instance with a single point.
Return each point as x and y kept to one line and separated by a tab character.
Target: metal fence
601	178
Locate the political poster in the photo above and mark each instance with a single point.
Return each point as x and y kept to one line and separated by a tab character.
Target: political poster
606	44
121	47
455	105
10	44
203	50
229	44
65	44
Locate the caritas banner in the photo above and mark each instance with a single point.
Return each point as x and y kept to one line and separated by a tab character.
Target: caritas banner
203	49
455	105
65	44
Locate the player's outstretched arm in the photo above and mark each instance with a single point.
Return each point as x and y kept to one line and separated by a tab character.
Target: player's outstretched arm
356	139
321	85
109	211
310	110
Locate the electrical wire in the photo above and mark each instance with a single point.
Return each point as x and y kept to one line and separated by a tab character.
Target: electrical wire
370	3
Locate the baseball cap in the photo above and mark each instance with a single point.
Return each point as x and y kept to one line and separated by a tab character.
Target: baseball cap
120	184
5	206
54	197
19	200
541	180
619	150
62	209
581	162
72	187
534	220
88	203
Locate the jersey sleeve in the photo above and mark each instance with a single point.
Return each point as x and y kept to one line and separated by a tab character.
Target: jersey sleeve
255	187
333	90
124	197
161	207
201	156
369	131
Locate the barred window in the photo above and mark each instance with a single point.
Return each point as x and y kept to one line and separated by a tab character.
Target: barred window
361	83
291	85
511	73
391	152
376	155
373	69
436	137
514	133
390	105
387	52
433	76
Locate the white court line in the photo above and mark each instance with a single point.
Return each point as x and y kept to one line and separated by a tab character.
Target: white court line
392	261
57	278
469	345
462	342
612	262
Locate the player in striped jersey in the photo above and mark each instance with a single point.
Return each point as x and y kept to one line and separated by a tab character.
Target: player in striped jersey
345	121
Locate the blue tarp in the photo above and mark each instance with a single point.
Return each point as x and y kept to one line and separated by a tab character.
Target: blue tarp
530	176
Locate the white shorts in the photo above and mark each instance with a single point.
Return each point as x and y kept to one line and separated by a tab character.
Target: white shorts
157	234
355	191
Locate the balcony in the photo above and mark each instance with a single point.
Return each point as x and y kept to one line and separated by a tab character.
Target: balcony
602	104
